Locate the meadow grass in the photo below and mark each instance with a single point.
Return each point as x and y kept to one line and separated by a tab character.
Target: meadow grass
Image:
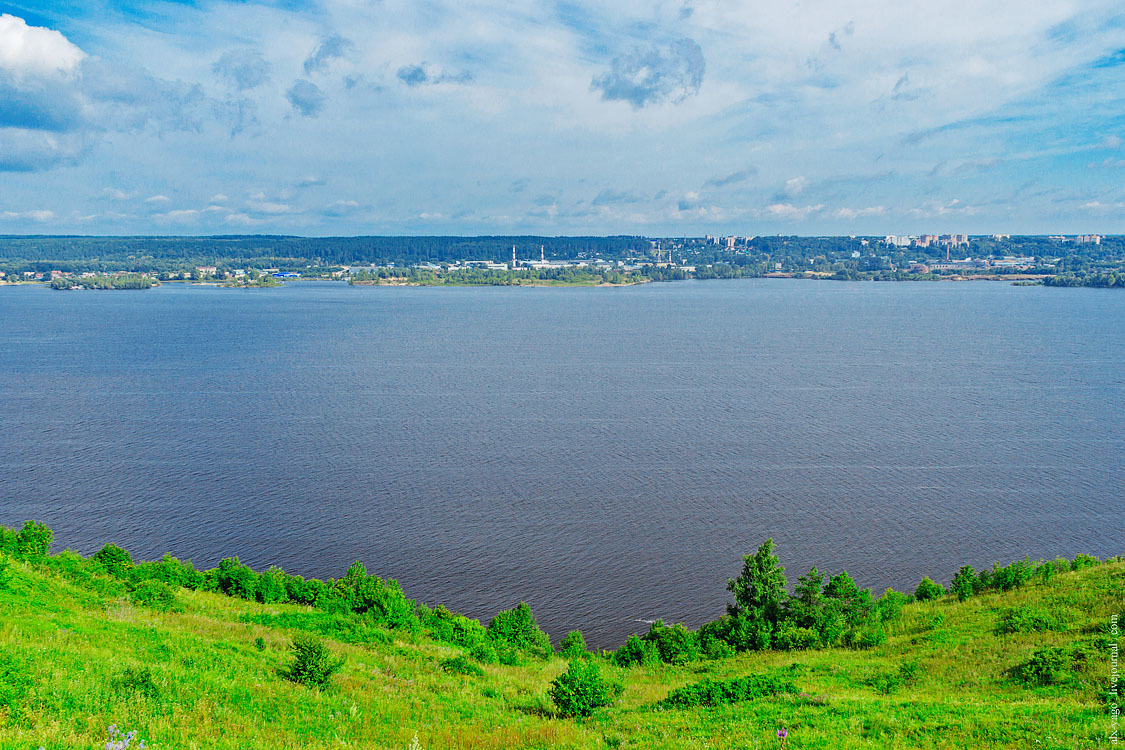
75	659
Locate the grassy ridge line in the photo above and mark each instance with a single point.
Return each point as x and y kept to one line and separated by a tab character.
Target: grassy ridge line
76	658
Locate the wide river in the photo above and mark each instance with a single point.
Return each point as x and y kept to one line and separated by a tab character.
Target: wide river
606	455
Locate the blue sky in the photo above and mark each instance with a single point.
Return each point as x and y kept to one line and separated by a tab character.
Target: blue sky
493	117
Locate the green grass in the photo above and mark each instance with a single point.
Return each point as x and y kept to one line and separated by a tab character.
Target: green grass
75	659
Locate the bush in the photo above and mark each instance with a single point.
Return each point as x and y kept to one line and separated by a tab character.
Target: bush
580	689
965	583
5	572
928	590
891	682
871	638
34	540
8	540
154	594
1028	619
382	599
169	570
720	692
135	679
235	579
888	607
636	652
484	653
1084	561
676	644
115	560
271	586
1010	576
450	627
461	665
790	638
573	645
515	630
1047	666
312	664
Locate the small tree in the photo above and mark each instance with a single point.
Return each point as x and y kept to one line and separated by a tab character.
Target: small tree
573	645
517	630
34	539
928	590
760	590
114	559
964	583
312	664
581	689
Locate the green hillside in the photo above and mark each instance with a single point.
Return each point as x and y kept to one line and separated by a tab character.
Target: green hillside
90	643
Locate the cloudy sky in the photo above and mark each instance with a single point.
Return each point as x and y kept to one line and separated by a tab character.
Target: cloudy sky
495	116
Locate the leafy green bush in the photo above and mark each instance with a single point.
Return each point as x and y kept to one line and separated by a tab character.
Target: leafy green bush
5	571
115	560
791	638
573	645
312	663
515	630
965	583
461	665
636	652
382	598
675	644
154	594
888	683
169	570
888	607
1082	562
135	680
8	540
450	627
718	692
271	586
260	643
871	638
581	689
1008	577
928	590
235	579
34	540
1052	665
1028	619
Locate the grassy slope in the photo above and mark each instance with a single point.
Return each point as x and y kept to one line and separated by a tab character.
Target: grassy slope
213	688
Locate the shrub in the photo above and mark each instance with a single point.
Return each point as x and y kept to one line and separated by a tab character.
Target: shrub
34	540
115	560
790	638
461	665
5	572
1010	576
235	579
8	540
573	645
171	571
581	689
871	638
928	590
450	627
312	664
1047	666
719	692
965	583
1028	619
260	643
154	594
739	631
1084	561
135	679
382	599
271	586
675	644
636	652
517	630
484	653
891	682
888	607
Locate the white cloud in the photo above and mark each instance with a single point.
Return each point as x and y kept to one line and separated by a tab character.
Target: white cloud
157	199
34	215
35	51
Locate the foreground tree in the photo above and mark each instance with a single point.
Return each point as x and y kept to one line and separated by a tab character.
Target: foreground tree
760	590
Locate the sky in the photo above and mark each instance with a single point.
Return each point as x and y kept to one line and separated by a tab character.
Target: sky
682	118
